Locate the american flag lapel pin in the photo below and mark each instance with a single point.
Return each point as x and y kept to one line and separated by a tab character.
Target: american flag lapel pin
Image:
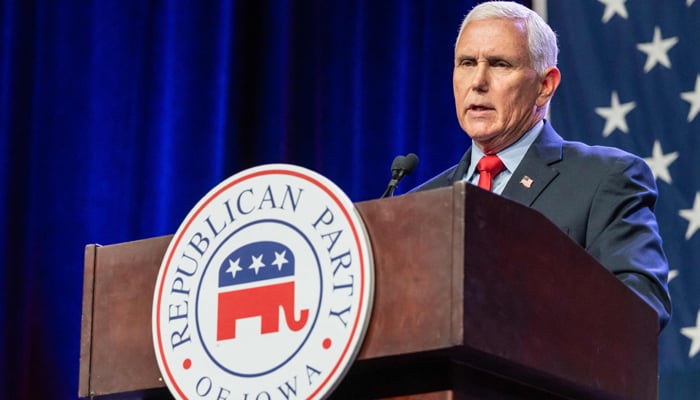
526	181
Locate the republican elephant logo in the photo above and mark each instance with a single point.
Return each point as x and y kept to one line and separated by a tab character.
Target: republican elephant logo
257	280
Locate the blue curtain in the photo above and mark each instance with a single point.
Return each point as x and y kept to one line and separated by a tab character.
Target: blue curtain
116	117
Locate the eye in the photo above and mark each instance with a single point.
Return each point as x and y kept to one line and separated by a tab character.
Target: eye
466	62
501	64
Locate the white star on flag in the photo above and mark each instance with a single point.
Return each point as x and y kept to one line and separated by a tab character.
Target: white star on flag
694	99
615	114
657	50
659	162
257	263
672	274
280	260
613	7
233	267
693	333
693	217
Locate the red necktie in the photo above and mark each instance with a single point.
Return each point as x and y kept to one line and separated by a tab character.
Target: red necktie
489	166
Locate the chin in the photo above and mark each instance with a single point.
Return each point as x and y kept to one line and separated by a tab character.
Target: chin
481	135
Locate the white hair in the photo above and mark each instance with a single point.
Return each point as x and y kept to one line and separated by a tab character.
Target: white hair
541	39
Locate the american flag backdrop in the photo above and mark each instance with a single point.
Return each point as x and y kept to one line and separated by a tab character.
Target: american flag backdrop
631	79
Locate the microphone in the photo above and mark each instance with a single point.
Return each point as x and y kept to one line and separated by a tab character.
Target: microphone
400	167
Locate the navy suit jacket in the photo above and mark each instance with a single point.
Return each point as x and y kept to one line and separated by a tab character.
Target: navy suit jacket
602	197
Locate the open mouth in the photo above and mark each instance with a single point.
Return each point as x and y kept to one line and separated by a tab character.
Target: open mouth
478	107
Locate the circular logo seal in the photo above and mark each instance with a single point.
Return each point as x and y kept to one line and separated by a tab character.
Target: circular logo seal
265	290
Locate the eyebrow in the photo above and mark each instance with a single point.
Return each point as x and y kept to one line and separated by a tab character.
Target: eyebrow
490	59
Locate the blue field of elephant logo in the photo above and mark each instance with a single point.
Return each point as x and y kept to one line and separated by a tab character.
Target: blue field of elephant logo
256	280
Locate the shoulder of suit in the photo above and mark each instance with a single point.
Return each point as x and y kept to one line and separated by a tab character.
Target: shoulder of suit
580	149
443	179
596	160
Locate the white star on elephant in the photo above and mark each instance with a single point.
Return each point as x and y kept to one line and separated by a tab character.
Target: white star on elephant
233	267
280	260
257	263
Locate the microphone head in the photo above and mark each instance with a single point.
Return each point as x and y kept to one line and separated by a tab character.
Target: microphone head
397	165
409	163
402	166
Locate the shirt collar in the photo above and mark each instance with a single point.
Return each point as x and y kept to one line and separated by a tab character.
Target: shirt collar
511	155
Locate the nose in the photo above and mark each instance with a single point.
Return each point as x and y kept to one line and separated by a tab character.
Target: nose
479	81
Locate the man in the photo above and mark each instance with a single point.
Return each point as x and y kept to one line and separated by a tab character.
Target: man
504	77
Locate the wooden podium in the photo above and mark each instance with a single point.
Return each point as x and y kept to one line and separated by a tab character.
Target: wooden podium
476	297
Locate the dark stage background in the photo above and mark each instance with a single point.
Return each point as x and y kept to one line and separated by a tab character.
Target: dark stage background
116	117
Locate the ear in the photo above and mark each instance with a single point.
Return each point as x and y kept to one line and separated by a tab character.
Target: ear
549	85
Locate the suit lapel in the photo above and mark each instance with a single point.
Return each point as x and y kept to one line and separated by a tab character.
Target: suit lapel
461	168
533	174
536	169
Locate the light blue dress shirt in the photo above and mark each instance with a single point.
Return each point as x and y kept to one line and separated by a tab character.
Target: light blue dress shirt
511	157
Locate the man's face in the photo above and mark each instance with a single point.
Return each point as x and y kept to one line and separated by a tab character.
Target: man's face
497	91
